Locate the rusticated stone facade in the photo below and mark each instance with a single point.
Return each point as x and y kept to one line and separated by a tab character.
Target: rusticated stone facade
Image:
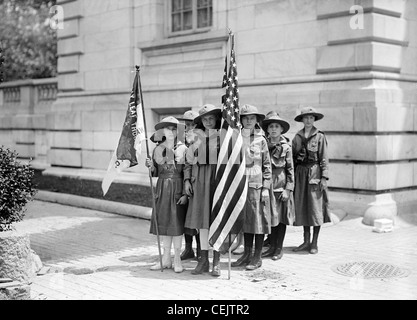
359	70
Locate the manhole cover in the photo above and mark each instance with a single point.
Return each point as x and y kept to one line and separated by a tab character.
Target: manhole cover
365	269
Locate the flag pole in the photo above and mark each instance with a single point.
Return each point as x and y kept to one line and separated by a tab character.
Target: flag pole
150	172
230	254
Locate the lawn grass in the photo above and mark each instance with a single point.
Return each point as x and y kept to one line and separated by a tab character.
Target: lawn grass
120	192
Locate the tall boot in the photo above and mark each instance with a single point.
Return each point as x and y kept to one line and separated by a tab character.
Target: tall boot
256	260
314	249
248	245
215	272
203	265
188	252
278	253
177	240
272	243
306	244
197	240
166	258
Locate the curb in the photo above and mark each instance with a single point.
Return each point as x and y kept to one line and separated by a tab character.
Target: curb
123	209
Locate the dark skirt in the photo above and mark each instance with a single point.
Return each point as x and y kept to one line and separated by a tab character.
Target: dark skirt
311	204
257	214
169	214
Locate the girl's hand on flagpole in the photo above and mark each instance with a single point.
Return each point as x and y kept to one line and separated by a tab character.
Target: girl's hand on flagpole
149	164
188	188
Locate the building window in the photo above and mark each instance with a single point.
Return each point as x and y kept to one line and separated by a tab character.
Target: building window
190	15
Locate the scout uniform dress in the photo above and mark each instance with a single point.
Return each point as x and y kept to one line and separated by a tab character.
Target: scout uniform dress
282	179
169	165
200	168
311	164
257	215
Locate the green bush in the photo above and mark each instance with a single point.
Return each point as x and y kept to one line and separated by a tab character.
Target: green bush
16	188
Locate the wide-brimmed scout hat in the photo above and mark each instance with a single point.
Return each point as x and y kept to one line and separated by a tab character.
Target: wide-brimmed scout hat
189	115
206	110
166	122
308	111
247	110
271	117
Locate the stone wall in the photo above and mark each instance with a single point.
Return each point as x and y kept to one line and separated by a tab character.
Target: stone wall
290	53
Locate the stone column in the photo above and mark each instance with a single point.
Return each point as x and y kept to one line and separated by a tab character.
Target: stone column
373	136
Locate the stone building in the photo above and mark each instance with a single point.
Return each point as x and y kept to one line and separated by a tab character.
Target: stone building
354	60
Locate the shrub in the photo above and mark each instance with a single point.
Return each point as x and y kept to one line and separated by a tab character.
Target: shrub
16	188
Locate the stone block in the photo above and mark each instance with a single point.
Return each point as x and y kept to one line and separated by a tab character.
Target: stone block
246	67
365	177
68	64
286	63
117	118
391	117
359	56
95	120
96	159
71	82
25	150
105	140
22	121
65	157
114	20
283	12
341	175
100	42
326	8
6	138
23	136
15	257
90	25
70	46
261	40
352	147
70	120
110	79
65	139
337	118
71	29
305	34
87	141
330	8
73	10
394	175
365	119
376	27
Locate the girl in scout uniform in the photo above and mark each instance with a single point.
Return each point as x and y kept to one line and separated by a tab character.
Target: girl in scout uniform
257	216
167	164
188	253
199	177
309	147
282	186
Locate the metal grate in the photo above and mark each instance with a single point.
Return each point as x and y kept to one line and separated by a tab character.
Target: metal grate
366	269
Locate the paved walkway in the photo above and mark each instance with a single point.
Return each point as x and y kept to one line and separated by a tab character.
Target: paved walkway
89	254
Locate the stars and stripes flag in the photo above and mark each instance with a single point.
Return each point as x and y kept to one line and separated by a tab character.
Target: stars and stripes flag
230	183
129	147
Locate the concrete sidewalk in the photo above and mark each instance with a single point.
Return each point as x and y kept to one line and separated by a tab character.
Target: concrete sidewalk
90	254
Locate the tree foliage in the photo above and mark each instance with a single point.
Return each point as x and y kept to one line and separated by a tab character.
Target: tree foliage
29	43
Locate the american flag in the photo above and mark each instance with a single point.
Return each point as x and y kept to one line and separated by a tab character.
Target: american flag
230	183
129	147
